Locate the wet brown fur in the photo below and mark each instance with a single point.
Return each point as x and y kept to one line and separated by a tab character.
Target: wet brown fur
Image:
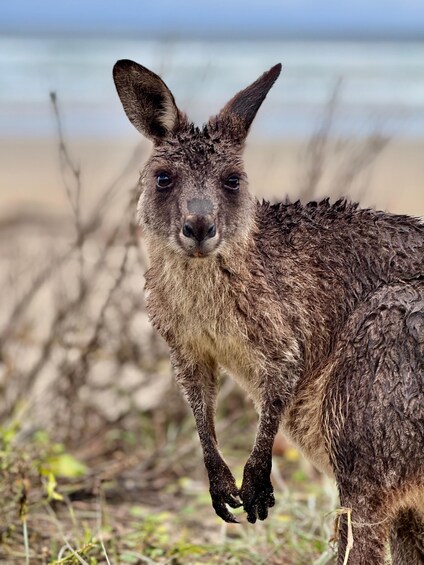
317	310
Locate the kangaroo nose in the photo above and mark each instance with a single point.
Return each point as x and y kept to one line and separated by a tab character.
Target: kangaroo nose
199	228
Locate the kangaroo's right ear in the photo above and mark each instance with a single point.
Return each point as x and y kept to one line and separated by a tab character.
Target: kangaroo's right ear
146	99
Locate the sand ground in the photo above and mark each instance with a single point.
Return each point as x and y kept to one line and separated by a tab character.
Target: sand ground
31	183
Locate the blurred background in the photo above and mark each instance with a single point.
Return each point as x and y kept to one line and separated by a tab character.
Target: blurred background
99	458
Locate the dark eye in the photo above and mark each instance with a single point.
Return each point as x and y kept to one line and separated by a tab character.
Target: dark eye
163	181
232	182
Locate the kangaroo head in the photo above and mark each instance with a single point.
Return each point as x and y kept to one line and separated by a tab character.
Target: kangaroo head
195	197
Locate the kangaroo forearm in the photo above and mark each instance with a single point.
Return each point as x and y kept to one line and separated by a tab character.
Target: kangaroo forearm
204	418
203	409
199	385
204	415
269	422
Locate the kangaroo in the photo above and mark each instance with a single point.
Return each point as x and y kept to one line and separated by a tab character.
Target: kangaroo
317	310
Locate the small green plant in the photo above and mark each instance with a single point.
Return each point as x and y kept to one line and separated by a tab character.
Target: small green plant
30	469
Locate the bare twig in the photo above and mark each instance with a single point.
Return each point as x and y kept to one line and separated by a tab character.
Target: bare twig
72	185
317	148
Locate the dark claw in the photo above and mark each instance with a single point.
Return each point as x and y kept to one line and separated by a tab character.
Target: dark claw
234	501
223	512
232	519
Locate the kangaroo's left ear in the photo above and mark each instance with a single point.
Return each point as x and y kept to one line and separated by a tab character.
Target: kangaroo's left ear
237	115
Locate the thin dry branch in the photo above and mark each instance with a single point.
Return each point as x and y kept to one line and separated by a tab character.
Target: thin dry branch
317	149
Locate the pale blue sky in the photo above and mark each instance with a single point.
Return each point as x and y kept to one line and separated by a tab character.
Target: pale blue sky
227	18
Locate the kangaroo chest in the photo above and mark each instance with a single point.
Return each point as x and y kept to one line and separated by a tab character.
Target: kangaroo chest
195	311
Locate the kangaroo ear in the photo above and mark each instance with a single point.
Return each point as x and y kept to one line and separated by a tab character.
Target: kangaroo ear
146	99
238	113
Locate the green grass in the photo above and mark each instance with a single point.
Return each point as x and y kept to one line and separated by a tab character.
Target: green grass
59	510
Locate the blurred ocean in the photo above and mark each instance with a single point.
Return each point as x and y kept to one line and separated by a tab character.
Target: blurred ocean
382	84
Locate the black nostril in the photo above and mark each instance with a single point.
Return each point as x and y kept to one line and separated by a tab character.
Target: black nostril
188	231
211	231
198	228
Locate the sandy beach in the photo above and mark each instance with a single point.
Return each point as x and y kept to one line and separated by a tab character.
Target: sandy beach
31	183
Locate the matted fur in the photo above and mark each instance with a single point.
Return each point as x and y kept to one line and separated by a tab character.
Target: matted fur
317	310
